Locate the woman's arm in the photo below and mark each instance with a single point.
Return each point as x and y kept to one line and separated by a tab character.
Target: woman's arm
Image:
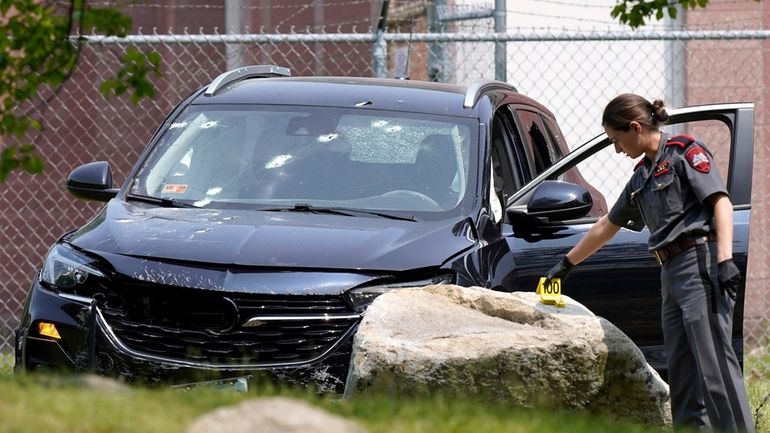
723	221
598	235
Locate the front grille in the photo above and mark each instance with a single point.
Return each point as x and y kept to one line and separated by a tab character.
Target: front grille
201	327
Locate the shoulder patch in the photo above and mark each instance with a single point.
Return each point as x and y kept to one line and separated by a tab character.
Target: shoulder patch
681	140
698	159
639	164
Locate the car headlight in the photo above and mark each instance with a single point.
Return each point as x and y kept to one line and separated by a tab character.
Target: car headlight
68	270
363	296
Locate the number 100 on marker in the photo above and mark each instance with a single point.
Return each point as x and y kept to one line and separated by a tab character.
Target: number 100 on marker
550	291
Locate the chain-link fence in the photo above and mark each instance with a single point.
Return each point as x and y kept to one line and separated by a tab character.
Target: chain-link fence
572	73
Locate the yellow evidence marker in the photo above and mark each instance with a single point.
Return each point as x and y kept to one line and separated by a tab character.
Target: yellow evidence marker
550	292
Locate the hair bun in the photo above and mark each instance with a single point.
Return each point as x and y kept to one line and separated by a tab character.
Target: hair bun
659	112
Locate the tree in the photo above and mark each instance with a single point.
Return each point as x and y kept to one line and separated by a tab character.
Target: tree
635	12
39	49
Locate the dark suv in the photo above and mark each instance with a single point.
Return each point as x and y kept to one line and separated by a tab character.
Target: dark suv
267	212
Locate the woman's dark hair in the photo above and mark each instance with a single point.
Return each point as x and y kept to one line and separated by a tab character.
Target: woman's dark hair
627	108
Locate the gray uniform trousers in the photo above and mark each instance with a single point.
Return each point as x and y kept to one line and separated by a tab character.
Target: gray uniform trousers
706	383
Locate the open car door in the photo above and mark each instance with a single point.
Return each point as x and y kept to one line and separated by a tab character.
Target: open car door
621	282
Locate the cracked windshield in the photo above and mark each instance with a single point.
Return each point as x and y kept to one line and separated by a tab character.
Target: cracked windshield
251	157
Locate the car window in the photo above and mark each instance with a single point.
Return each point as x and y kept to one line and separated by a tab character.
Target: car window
504	179
609	172
556	147
326	157
508	158
543	154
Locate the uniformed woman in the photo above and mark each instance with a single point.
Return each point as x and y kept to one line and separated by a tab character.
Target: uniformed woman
677	193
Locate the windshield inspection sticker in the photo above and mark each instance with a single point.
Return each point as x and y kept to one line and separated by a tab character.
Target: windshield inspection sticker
175	188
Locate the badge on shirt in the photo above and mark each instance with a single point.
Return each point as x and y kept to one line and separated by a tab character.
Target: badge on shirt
663	167
698	159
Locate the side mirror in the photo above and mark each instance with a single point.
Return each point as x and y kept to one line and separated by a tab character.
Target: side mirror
92	181
555	201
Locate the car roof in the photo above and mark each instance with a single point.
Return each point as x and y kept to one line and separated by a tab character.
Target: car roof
365	93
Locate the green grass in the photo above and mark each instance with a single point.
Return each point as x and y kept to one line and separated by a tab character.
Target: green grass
6	363
57	404
28	405
51	404
759	398
757	368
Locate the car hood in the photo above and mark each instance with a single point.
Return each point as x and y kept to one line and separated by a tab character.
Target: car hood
271	239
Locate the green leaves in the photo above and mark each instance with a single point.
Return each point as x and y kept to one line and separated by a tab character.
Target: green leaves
635	13
37	52
14	156
17	125
133	74
5	5
672	11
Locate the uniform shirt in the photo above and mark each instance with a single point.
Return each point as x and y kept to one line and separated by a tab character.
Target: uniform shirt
668	195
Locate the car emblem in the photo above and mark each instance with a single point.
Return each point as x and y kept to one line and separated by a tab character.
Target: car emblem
230	317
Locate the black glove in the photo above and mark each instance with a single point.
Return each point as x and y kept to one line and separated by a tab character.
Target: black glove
729	278
560	270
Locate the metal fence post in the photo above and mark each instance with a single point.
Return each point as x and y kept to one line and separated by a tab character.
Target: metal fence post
234	25
436	55
501	55
380	47
675	58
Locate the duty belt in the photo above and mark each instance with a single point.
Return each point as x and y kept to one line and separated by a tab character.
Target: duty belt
682	243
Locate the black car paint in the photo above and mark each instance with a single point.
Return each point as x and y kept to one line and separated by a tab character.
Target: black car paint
380	94
232	251
241	238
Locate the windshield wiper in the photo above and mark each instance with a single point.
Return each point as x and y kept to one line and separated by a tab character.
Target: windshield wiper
164	202
304	207
386	215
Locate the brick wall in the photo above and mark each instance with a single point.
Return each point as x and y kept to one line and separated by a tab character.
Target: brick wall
714	79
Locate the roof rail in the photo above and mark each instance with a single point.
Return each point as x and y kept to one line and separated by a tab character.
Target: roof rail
476	88
256	71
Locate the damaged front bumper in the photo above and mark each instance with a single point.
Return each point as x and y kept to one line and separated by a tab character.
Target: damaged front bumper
104	340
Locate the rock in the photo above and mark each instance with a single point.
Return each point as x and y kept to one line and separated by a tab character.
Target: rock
459	340
105	384
272	415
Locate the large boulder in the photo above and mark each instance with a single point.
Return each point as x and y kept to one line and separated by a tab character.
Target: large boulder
272	415
459	340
